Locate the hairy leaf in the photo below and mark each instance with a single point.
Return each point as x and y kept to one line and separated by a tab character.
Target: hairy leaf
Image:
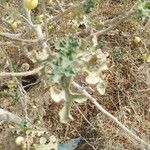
92	78
101	87
57	96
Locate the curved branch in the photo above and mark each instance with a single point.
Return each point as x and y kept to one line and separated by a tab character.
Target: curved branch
110	116
20	74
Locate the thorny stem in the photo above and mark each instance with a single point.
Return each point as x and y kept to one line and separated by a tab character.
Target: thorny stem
110	116
40	35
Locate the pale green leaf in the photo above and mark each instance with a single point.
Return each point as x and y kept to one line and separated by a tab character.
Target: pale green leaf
56	95
43	140
103	67
80	100
92	78
101	87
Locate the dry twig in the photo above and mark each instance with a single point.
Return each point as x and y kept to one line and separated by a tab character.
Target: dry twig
115	22
13	37
111	117
19	74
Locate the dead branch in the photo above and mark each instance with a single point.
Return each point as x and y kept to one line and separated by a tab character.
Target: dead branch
19	74
110	116
115	22
14	37
61	14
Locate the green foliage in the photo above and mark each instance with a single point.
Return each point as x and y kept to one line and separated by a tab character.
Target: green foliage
72	55
143	9
147	5
63	64
68	45
88	6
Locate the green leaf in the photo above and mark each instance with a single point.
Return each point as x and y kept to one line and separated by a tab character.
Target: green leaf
88	6
69	72
147	5
67	45
56	95
63	64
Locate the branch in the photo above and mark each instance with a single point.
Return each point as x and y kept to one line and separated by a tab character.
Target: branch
44	54
20	74
111	117
115	22
16	38
45	20
61	8
56	18
9	117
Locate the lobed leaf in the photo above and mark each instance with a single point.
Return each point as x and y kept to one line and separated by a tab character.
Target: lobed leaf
57	96
101	87
92	78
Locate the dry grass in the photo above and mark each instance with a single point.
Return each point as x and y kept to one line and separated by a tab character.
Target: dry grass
127	94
